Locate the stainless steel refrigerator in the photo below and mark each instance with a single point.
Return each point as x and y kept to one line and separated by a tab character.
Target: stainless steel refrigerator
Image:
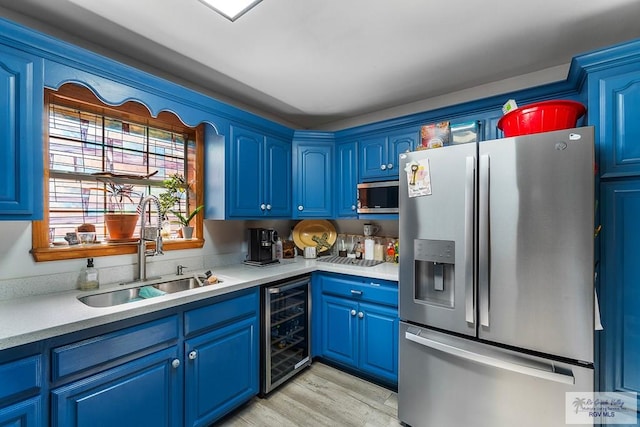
496	280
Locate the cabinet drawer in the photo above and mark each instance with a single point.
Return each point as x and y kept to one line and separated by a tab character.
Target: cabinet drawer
372	290
219	313
21	376
114	347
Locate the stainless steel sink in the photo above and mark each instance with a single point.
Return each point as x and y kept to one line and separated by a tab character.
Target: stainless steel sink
138	293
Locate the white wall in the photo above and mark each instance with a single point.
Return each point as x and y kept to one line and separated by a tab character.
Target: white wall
224	244
524	81
20	275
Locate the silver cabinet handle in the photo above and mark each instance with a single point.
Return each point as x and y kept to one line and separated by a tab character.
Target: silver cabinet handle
263	206
383	167
300	207
469	207
353	207
492	361
390	166
193	354
483	241
175	363
361	315
268	207
353	312
355	292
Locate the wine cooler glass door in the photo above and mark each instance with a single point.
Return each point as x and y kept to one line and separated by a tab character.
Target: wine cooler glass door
287	323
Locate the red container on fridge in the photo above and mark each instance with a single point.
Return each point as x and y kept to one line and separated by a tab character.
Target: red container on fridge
543	116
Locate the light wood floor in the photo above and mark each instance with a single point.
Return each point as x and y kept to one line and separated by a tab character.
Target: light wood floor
320	396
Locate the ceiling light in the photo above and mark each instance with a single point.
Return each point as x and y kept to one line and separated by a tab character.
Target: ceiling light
231	9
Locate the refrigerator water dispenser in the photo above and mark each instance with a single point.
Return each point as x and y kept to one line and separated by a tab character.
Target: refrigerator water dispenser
434	264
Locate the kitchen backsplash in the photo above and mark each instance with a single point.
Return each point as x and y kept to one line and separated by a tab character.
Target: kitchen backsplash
225	244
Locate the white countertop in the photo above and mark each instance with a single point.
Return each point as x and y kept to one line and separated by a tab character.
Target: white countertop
29	319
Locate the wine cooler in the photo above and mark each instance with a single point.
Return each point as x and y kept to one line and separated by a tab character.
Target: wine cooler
286	337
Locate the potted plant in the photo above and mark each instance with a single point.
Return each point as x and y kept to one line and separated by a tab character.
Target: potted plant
187	230
175	186
120	223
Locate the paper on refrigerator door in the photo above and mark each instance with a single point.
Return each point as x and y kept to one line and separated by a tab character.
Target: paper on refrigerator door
418	177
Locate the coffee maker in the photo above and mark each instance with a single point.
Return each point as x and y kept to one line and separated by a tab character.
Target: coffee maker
261	241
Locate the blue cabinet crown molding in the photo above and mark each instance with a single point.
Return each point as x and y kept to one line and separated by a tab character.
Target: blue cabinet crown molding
600	59
191	106
312	135
116	83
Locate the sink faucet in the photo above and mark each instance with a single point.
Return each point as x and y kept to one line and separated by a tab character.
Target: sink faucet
156	236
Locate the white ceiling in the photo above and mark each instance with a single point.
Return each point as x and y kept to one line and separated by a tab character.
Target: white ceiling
314	63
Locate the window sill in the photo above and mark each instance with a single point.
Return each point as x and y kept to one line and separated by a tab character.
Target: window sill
60	253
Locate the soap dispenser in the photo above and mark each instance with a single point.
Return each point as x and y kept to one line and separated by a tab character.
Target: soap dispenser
89	278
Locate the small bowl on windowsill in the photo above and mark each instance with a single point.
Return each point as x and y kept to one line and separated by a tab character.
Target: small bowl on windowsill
86	237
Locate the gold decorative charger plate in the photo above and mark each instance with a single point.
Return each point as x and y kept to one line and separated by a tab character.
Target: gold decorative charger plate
314	232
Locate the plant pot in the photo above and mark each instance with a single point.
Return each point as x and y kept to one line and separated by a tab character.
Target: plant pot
187	232
121	226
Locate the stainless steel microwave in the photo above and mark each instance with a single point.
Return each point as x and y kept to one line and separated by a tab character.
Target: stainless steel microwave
378	197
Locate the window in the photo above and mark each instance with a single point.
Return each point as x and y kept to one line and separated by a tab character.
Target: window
90	145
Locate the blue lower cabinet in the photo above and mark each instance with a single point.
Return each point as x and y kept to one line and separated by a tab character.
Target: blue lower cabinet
221	371
20	387
144	392
358	324
27	413
379	341
339	330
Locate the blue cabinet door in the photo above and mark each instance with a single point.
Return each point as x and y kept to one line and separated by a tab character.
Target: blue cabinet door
222	369
245	173
27	413
339	330
277	178
378	341
313	174
21	162
396	144
619	290
346	180
141	393
373	158
379	154
616	104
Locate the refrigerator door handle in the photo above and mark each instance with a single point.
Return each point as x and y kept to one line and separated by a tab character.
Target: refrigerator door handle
491	361
468	239
483	241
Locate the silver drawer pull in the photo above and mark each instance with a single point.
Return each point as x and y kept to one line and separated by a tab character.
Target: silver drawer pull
355	292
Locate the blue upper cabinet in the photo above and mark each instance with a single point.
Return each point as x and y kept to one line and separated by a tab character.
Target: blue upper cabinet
346	176
373	158
277	185
21	163
614	103
379	154
402	142
259	176
313	167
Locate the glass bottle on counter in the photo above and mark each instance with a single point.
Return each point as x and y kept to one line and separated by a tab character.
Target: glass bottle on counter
378	251
89	277
391	252
359	250
278	246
